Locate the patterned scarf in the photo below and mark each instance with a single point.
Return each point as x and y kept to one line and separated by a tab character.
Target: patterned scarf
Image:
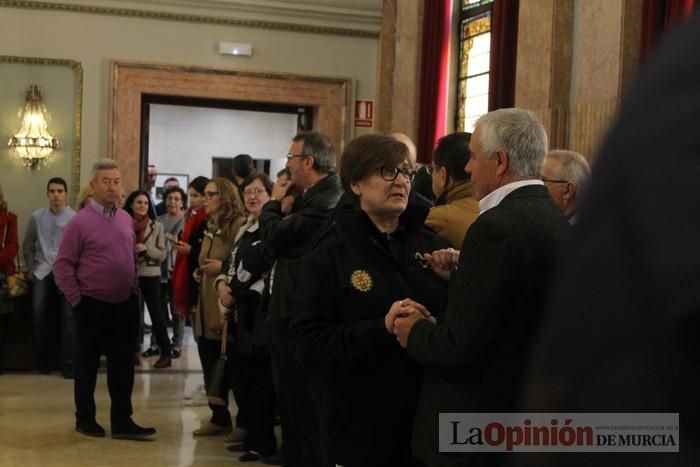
140	228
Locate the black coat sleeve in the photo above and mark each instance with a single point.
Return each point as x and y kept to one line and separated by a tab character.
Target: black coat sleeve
283	234
477	306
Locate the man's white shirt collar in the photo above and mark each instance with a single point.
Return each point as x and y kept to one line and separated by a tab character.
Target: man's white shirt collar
494	198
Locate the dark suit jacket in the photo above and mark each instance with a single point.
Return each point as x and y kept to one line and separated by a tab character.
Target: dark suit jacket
475	356
622	331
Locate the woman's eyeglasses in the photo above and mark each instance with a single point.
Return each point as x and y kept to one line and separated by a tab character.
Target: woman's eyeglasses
390	173
257	192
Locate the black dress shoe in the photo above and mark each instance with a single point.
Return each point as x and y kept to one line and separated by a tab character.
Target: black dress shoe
249	457
238	447
151	352
130	430
90	428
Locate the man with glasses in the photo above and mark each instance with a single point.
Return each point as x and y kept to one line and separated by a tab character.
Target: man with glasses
566	175
421	192
310	160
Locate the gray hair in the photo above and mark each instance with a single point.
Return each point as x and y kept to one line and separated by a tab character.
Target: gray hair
103	164
520	134
319	146
572	167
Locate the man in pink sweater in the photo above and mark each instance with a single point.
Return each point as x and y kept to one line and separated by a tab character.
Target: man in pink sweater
96	271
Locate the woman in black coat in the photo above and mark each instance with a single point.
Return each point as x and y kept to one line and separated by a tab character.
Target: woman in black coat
240	290
368	261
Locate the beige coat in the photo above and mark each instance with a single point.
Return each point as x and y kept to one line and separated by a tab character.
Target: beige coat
452	219
150	261
214	246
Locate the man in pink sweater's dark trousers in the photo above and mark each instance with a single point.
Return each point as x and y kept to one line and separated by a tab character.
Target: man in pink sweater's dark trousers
96	271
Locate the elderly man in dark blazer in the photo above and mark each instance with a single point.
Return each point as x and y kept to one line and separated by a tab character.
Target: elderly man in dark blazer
475	355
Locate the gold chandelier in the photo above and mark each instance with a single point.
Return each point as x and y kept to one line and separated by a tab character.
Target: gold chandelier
33	144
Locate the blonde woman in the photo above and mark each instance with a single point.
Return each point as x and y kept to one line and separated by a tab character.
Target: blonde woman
225	215
84	197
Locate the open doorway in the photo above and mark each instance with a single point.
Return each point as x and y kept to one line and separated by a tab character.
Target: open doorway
186	137
196	136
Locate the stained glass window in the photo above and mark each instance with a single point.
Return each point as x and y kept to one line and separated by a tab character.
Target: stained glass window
474	58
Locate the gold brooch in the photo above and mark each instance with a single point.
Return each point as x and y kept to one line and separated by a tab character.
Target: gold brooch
361	280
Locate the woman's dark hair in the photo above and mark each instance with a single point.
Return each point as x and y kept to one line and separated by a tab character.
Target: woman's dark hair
199	184
243	166
423	184
367	154
130	200
176	189
264	179
452	152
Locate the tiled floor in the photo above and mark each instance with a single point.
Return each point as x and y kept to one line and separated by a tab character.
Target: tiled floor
37	422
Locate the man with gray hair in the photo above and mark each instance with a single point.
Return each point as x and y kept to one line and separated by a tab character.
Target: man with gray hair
475	354
566	175
96	271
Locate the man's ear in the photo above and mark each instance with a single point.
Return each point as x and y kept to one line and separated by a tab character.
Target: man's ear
570	192
309	162
501	161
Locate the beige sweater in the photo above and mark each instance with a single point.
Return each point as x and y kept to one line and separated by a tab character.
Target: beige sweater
150	261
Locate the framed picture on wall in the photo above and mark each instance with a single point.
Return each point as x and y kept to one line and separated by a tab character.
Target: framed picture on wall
182	179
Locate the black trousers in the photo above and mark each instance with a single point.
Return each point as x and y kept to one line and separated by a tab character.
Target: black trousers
47	299
209	351
150	289
300	406
251	379
109	326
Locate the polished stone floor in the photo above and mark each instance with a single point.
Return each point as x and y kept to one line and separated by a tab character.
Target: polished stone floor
37	422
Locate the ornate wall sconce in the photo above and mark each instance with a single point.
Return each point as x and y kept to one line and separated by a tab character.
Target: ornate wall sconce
33	144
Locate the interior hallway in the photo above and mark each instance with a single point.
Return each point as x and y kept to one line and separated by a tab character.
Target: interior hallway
37	420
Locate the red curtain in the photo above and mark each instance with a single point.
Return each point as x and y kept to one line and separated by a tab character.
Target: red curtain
504	48
658	17
437	18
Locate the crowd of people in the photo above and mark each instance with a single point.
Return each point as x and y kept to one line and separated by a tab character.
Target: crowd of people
352	304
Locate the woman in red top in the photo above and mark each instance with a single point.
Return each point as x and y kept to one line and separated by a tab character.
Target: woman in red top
9	247
184	287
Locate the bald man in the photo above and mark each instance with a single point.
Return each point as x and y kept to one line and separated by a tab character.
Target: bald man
566	175
421	187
